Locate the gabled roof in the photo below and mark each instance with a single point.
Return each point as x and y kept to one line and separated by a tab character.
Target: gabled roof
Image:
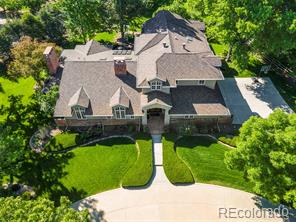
154	41
156	97
80	98
120	98
92	47
172	66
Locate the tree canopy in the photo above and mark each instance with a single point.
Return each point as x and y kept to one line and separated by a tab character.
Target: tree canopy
27	59
12	150
266	153
83	19
17	209
245	26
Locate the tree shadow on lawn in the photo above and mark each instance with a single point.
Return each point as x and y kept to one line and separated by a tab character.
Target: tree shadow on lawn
44	171
193	141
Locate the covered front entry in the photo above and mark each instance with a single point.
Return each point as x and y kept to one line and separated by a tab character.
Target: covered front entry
156	116
155	120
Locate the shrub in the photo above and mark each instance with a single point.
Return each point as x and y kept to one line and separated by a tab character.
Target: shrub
229	140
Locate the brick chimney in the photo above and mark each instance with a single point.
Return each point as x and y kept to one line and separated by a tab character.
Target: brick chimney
120	66
52	60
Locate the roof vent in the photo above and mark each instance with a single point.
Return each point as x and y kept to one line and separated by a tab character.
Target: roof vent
165	45
184	45
189	39
176	37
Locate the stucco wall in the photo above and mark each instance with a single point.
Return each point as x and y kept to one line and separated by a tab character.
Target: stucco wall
209	83
165	90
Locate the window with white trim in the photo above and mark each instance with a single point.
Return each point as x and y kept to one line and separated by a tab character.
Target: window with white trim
119	112
156	85
201	82
78	112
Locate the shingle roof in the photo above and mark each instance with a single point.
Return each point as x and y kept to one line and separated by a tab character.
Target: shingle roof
156	97
92	47
186	53
80	98
100	82
186	66
120	97
198	100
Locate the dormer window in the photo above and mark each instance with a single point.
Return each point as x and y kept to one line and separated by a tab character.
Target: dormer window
156	85
119	112
78	112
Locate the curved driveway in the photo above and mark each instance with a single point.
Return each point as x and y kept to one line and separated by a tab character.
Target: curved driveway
162	201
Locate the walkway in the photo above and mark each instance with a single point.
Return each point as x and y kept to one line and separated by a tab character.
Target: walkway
162	201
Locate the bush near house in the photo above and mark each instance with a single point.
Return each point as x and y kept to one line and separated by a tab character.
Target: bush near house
174	168
229	140
140	173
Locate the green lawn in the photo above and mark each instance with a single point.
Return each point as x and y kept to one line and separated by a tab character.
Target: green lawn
175	169
205	159
98	168
140	173
23	86
106	36
63	141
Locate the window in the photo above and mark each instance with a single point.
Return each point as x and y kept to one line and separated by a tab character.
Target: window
79	112
201	82
156	85
119	112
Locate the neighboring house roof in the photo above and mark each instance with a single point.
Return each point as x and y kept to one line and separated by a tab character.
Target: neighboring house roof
120	98
100	82
80	98
198	100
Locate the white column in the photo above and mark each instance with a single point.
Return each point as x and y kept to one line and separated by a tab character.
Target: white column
144	118
166	117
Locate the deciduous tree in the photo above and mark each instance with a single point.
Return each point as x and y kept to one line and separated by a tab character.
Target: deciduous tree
83	19
28	59
266	153
17	209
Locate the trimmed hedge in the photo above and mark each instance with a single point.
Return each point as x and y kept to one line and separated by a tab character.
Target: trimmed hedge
174	168
229	140
140	173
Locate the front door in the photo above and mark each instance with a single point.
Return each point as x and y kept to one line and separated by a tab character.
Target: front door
154	112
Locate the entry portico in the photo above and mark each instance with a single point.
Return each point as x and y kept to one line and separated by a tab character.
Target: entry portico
156	108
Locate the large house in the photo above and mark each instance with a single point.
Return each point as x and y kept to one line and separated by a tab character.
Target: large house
170	76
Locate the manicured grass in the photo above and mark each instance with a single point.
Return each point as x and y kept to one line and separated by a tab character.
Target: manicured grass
106	37
218	48
62	141
140	173
98	168
175	169
23	86
205	159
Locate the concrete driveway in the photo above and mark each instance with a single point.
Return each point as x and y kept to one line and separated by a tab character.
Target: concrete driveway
245	97
162	201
